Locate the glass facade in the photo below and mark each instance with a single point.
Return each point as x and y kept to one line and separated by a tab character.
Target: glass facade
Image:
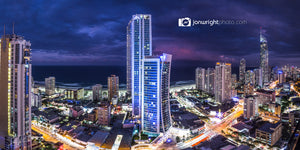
139	45
156	115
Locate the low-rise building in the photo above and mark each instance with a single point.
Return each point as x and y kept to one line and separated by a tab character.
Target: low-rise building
269	133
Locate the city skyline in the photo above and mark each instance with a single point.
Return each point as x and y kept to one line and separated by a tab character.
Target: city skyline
60	37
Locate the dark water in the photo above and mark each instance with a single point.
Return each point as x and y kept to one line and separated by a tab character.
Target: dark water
98	74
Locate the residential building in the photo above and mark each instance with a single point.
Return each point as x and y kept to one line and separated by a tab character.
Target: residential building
156	114
104	112
50	86
139	45
200	78
250	107
210	79
15	92
242	71
264	58
269	133
76	94
97	92
113	87
222	82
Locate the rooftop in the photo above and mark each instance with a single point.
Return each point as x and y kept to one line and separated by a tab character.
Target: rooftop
269	127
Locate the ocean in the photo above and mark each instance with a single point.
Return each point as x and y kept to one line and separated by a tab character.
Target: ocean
90	75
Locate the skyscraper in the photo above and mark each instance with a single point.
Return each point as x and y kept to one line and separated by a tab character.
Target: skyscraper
139	45
258	77
222	82
97	92
113	87
156	115
15	92
242	70
50	85
210	79
200	78
264	58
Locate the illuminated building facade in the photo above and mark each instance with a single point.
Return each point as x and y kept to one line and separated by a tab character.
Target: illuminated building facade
97	92
50	85
264	59
156	115
210	79
139	45
250	107
200	78
242	70
258	77
113	87
250	77
15	92
222	82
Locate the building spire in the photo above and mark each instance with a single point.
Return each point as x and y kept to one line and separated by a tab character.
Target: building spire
4	31
13	28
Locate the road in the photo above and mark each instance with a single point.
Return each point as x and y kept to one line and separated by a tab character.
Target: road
211	129
54	139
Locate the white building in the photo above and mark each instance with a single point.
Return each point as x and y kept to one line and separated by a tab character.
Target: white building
222	82
15	92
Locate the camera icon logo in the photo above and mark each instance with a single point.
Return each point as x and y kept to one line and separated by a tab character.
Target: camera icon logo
184	22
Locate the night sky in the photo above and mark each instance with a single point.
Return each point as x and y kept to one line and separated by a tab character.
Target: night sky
87	32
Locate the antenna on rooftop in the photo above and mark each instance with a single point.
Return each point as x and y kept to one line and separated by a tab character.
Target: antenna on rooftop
13	28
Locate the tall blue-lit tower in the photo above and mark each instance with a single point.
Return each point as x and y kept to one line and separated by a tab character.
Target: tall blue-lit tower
156	115
139	45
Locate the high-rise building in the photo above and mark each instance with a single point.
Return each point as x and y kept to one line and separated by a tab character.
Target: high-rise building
242	70
50	85
104	112
281	77
233	81
156	115
97	92
200	78
264	58
250	107
210	79
222	82
250	77
139	45
15	92
113	87
258	77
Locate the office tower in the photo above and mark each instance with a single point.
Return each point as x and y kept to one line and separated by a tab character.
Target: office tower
258	77
281	77
242	70
250	107
104	112
200	78
264	59
113	87
156	115
97	92
15	92
50	85
222	82
139	45
210	79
